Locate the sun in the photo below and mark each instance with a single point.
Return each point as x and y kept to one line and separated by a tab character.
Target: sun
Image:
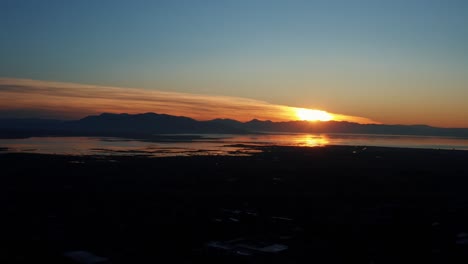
313	115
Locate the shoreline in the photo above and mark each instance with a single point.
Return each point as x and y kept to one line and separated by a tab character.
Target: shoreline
197	145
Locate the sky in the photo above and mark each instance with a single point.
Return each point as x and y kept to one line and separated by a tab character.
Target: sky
395	62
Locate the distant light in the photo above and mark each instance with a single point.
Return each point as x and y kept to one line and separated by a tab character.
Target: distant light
313	115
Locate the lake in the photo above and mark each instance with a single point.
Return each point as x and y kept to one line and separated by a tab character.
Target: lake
216	144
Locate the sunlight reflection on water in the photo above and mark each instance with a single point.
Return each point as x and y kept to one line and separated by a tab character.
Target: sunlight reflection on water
214	144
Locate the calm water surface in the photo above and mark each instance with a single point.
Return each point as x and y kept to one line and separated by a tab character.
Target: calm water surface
216	144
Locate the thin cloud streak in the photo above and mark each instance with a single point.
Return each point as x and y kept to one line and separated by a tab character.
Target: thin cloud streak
46	99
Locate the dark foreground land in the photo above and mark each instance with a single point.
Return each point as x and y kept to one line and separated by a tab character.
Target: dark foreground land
284	205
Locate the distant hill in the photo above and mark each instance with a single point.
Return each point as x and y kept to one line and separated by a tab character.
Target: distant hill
342	127
147	124
354	128
150	123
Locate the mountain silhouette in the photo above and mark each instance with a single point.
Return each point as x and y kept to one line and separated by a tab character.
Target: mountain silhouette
148	124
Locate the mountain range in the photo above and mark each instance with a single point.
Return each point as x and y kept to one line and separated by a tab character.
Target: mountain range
149	124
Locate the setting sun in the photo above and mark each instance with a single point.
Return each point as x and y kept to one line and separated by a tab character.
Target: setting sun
313	115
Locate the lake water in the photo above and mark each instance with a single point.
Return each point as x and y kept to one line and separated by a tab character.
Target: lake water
216	144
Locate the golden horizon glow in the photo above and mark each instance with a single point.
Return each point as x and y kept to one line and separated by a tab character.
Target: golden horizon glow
313	115
25	98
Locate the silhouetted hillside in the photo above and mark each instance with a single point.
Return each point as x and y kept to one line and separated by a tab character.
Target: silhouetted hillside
355	128
143	125
149	123
124	125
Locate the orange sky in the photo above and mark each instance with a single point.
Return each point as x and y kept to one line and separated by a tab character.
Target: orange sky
32	98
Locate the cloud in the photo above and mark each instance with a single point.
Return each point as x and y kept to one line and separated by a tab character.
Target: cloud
46	99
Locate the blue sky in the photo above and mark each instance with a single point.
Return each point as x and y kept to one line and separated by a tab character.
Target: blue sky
352	57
